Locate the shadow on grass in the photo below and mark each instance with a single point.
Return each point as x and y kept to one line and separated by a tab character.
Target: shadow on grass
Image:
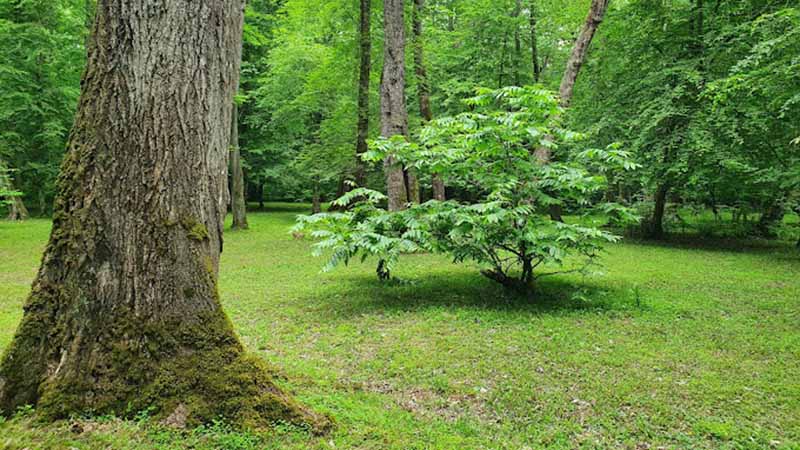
362	294
734	245
296	208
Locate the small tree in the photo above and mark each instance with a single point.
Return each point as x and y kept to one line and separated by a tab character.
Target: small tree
487	153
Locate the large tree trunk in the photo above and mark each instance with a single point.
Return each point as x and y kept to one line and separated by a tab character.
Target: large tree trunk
394	115
365	42
238	201
423	84
124	313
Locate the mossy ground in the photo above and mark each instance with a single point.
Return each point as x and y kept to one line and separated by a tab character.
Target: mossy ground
681	345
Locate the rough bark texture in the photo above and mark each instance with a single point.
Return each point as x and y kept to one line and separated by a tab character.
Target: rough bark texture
124	313
365	42
238	201
597	12
394	115
423	84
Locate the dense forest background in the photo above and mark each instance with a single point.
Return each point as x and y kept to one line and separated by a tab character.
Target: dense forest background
704	94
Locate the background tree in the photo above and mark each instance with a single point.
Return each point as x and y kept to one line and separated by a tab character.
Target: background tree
238	200
394	115
709	114
423	86
125	313
41	57
364	75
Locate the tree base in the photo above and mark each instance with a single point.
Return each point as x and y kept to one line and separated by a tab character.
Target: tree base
508	282
184	373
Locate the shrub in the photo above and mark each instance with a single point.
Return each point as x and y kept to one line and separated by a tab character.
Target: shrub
488	154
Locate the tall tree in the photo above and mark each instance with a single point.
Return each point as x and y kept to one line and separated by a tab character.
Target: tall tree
423	84
537	70
517	42
394	115
125	312
597	11
238	200
365	70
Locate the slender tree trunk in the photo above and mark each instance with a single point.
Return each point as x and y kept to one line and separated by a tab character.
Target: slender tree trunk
125	313
316	202
501	71
517	44
365	42
656	230
394	115
537	70
261	196
423	84
597	12
17	209
238	201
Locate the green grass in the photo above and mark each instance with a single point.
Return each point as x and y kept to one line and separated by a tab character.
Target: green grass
683	346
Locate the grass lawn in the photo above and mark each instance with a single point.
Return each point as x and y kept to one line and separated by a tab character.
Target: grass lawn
675	346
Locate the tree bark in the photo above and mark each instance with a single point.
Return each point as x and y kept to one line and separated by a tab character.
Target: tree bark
365	71
124	313
316	201
517	44
238	201
597	12
394	115
656	230
537	70
17	209
423	84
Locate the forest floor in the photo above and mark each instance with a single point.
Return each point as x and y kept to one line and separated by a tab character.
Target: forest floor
679	345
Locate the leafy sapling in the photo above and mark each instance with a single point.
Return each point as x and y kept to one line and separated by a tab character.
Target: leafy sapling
487	154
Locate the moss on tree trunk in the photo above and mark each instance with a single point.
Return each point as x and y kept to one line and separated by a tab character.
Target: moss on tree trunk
124	313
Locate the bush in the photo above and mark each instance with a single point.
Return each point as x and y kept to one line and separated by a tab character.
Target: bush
488	153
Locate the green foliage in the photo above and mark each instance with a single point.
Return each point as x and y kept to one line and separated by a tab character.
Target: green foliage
41	58
705	95
7	192
488	154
